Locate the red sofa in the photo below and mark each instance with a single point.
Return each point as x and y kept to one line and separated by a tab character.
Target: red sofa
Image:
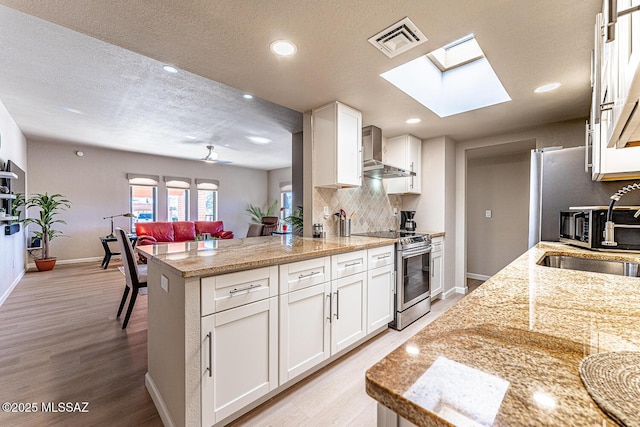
151	233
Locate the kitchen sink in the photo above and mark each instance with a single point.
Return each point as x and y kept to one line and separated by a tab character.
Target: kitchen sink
621	268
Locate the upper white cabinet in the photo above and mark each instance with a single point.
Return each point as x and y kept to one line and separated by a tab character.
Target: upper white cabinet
612	114
405	152
337	146
624	58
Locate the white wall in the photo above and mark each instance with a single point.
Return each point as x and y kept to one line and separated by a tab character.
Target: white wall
278	178
567	134
97	186
13	146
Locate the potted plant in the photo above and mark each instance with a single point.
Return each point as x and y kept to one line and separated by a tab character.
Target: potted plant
50	206
296	220
256	213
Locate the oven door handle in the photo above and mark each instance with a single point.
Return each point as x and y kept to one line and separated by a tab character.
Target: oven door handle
413	252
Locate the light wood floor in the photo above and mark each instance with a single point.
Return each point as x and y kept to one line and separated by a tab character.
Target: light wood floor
60	342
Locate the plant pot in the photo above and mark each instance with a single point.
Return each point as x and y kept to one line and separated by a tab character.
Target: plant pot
45	264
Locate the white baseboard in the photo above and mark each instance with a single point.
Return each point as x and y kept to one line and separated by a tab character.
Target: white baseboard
13	285
158	401
448	293
478	276
98	259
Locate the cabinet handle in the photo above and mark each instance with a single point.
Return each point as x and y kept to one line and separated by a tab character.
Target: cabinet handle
209	368
411	176
606	106
383	256
352	264
337	304
304	276
247	289
330	306
433	265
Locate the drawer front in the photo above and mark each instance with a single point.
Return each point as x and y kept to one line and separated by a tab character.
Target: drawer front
302	274
347	264
379	257
436	244
231	290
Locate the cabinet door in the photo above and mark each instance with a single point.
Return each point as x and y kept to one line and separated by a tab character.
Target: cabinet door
239	358
415	162
304	330
396	155
437	271
380	290
349	128
348	323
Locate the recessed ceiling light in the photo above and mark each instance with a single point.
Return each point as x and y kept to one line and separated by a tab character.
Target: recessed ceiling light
170	69
79	153
247	96
283	48
547	88
413	121
259	139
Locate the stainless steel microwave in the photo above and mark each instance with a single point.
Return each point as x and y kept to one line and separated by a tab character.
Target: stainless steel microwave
584	227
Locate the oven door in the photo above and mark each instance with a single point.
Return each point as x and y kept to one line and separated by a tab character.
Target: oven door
413	277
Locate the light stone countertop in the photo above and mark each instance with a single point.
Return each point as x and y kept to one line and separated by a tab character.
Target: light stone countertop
508	353
211	257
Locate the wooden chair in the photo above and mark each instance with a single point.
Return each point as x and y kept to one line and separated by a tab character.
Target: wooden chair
270	224
135	275
255	230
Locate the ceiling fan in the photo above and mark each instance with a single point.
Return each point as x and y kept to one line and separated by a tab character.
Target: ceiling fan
212	157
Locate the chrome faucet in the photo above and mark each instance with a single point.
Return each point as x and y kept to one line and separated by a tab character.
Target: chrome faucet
609	227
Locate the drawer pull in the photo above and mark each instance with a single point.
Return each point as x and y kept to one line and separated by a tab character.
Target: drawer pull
304	276
352	264
384	256
247	289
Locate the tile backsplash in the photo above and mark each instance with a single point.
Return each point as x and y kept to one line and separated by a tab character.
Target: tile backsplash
371	205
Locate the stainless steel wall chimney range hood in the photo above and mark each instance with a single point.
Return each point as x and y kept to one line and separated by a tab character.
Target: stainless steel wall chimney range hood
372	155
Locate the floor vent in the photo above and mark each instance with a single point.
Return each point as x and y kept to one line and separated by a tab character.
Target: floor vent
398	38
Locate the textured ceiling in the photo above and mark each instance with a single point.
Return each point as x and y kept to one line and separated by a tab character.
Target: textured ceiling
129	103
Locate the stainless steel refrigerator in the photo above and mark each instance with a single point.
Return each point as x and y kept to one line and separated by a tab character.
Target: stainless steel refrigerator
558	181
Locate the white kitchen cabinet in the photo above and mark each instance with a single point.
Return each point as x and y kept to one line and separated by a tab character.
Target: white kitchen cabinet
305	330
380	291
437	272
239	358
302	274
337	146
320	321
348	313
405	152
610	113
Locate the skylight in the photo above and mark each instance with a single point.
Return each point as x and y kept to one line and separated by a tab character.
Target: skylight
451	80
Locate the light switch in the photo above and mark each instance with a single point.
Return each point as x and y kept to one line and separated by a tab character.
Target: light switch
325	212
164	282
487	213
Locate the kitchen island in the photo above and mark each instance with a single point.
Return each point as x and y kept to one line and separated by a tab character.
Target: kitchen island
508	353
233	322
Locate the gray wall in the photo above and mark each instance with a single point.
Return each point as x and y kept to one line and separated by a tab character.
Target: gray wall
499	184
13	146
97	186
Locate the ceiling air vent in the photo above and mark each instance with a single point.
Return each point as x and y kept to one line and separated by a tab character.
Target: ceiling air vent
398	38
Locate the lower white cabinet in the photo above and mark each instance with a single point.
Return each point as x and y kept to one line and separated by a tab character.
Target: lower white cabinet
437	273
348	314
320	321
239	358
304	330
380	290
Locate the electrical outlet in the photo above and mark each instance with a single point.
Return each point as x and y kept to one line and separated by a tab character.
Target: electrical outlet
395	211
164	282
487	213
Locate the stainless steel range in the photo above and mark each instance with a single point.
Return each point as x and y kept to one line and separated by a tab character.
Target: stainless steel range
413	267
